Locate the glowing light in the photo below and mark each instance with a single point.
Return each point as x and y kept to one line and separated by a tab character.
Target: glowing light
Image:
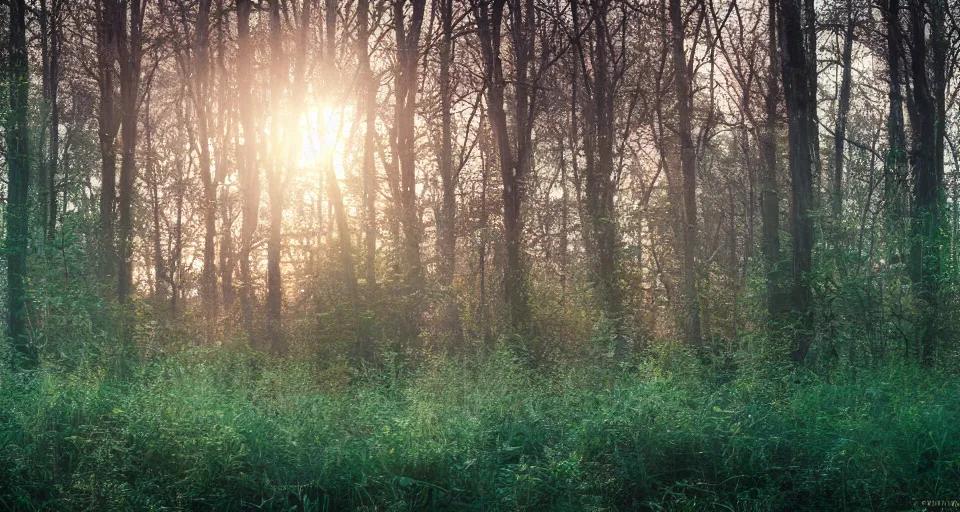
320	143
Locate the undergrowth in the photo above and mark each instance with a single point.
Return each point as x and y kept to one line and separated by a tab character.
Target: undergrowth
220	429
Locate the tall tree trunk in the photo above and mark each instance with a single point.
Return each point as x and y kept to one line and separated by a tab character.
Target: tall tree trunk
446	232
225	133
925	258
46	180
842	112
130	60
248	169
895	180
201	90
688	167
408	44
800	108
278	76
18	179
54	99
514	161
109	18
770	191
600	185
153	182
368	98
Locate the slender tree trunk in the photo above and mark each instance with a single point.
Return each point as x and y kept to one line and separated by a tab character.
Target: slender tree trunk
688	167
249	169
925	257
201	90
513	163
800	107
842	112
895	180
130	60
600	185
18	179
108	19
770	191
447	219
275	190
408	44
369	100
225	133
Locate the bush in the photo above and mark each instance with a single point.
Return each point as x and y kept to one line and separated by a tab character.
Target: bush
227	429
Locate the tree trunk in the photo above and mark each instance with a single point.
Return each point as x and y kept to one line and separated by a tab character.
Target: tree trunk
369	99
446	228
925	258
108	116
688	168
130	59
17	208
248	169
600	186
514	162
770	191
895	181
800	107
843	110
275	190
408	44
201	91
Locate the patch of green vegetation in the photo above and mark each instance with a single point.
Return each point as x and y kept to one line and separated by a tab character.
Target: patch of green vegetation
220	429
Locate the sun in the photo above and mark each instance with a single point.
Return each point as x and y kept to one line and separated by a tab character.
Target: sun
320	138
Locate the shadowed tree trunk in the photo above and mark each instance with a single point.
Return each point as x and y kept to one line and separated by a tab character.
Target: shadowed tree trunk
446	221
927	165
895	180
840	132
201	92
368	98
603	238
516	154
18	179
109	18
278	77
130	61
801	105
248	169
688	169
770	191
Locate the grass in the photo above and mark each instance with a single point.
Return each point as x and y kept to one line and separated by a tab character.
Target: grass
227	430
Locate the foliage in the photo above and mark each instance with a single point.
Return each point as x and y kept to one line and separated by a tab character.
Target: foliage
233	430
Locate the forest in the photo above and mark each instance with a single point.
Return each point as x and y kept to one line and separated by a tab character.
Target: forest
387	255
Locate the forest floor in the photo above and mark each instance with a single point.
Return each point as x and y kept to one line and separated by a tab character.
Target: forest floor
219	429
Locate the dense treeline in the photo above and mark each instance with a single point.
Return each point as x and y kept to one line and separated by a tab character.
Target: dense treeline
442	175
374	189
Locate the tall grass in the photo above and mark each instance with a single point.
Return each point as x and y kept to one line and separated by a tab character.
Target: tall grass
228	430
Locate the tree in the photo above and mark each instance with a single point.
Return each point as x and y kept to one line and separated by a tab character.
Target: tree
130	58
801	104
601	185
514	150
278	79
688	166
249	171
18	179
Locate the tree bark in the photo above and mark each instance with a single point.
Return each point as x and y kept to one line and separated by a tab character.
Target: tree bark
800	107
688	167
278	76
248	169
130	61
18	208
840	132
770	190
